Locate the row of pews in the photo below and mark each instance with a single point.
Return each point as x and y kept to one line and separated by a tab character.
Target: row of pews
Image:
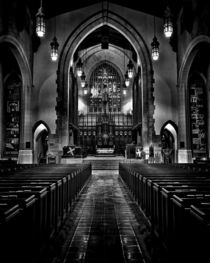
176	200
34	203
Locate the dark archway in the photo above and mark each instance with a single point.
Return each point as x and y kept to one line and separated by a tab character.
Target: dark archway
169	136
40	142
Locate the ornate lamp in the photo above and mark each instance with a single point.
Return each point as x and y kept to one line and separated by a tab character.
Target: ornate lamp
86	89
130	69
40	23
127	80
155	46
168	24
79	67
54	49
124	90
54	46
155	49
83	80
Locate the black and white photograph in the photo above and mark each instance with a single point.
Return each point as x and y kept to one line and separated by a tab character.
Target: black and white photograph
104	131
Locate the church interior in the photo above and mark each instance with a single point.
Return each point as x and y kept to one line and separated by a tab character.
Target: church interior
104	131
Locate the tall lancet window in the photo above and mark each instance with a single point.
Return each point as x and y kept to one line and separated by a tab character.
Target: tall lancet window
105	84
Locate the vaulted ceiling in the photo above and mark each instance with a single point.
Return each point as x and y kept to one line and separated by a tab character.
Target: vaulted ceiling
153	7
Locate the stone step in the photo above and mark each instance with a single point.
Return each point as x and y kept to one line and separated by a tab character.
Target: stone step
104	164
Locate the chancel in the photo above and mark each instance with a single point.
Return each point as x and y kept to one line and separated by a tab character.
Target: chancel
104	131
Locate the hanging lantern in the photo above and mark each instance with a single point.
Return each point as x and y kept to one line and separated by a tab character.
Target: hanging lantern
79	68
130	69
168	24
54	49
86	89
127	80
155	49
124	90
83	80
40	23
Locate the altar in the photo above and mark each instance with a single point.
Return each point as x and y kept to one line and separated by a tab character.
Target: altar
105	151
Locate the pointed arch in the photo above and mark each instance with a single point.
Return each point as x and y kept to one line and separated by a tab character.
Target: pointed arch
40	132
198	43
18	51
172	131
65	79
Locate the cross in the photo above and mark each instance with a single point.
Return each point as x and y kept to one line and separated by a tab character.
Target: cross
71	151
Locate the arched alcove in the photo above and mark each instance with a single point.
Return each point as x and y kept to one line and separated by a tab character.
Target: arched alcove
40	139
169	136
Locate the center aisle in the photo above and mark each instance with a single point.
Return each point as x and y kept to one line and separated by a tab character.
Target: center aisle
106	225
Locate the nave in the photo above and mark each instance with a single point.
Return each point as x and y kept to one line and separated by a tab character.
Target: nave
108	225
71	213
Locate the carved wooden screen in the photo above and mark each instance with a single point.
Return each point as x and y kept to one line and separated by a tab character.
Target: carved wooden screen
105	80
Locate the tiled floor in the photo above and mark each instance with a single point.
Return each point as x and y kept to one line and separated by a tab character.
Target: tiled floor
105	226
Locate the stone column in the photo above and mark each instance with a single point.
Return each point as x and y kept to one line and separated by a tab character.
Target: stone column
25	151
184	144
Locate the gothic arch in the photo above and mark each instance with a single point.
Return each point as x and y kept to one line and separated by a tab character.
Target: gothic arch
171	129
16	48
65	80
193	48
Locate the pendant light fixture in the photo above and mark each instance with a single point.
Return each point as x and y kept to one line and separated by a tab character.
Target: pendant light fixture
83	82
54	46
168	24
83	77
86	89
127	80
40	22
155	46
130	65
124	90
130	69
79	67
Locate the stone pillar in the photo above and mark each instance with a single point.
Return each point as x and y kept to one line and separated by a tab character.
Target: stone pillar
25	154
184	144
